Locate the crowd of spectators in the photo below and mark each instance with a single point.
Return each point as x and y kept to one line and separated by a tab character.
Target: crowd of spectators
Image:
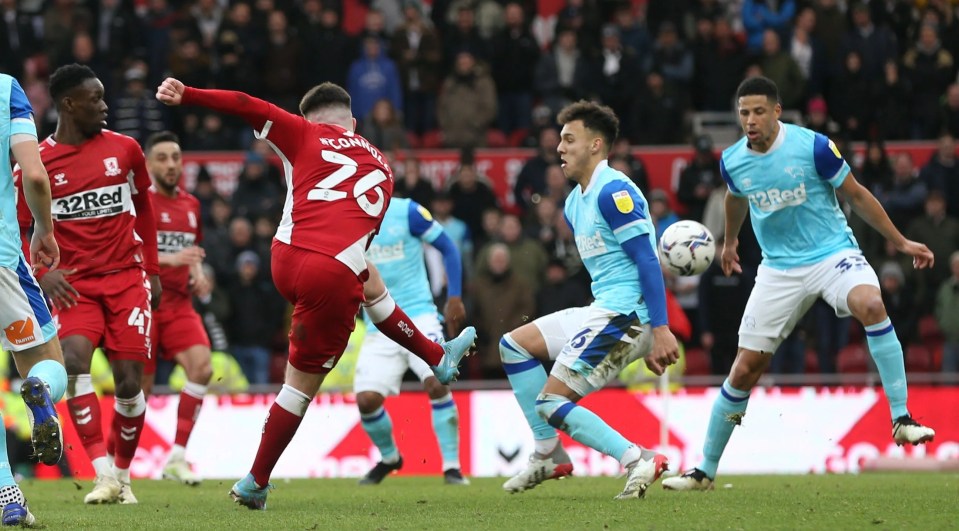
465	74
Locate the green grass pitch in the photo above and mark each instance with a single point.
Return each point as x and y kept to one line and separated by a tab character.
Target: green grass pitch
868	501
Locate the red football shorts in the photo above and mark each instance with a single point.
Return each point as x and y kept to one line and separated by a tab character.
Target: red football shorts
113	308
176	327
326	296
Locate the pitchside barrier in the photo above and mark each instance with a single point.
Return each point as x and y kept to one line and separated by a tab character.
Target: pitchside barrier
786	430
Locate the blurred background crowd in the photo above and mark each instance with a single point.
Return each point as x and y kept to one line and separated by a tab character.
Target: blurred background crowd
467	74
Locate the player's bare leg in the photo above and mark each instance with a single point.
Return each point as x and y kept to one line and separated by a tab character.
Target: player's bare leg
446	426
523	352
443	358
281	424
196	364
129	414
378	425
865	302
84	408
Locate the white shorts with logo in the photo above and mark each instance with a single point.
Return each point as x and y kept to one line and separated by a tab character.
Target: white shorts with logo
382	363
781	297
24	316
591	345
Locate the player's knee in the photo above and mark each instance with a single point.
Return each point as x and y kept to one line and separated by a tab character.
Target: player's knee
368	401
127	386
550	407
434	388
510	351
873	310
200	372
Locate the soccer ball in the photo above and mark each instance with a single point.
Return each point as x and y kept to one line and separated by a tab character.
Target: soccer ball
687	248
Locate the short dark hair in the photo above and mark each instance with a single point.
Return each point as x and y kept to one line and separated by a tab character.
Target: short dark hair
595	116
325	94
158	137
758	86
66	78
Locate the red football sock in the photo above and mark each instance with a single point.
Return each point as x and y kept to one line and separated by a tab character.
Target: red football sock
186	415
396	325
278	431
85	413
127	429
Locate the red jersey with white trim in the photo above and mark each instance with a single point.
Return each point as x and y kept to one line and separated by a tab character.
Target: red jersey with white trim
97	188
338	184
178	227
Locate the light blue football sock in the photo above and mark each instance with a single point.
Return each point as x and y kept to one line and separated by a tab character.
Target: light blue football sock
380	429
527	377
446	426
728	411
582	425
886	351
54	375
6	474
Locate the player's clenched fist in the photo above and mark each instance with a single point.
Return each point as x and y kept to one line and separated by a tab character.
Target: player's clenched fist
170	91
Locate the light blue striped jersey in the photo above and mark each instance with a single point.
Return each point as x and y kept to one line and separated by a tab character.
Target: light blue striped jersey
16	117
397	251
792	196
610	211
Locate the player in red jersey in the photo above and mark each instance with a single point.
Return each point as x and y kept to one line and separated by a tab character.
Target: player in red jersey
178	331
108	278
338	188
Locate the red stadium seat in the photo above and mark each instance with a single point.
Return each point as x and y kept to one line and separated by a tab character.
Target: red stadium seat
853	358
697	362
812	361
432	140
929	330
516	137
918	359
414	140
495	139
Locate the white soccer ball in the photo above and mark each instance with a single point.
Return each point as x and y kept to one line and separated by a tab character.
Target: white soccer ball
687	248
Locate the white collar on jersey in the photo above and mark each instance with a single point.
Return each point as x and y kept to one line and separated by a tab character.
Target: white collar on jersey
780	138
603	164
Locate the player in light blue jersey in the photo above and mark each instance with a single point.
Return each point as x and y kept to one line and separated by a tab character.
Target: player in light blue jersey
786	177
617	241
397	252
29	331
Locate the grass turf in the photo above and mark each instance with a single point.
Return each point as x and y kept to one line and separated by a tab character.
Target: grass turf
868	501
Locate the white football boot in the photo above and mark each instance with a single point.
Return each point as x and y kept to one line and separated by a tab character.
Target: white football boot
554	466
643	473
905	430
695	479
106	489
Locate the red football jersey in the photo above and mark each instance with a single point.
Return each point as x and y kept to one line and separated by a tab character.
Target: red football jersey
178	227
338	184
94	186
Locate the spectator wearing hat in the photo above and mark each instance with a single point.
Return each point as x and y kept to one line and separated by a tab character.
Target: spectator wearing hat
817	117
898	298
256	317
699	178
257	191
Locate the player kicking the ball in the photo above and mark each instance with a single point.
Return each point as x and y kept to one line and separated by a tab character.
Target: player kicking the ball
338	189
627	320
786	177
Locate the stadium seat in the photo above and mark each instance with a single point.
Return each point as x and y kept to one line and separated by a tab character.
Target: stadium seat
495	139
697	362
853	358
517	137
432	139
413	139
812	361
918	359
929	331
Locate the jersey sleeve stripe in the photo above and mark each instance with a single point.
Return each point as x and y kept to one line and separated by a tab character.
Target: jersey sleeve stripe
627	226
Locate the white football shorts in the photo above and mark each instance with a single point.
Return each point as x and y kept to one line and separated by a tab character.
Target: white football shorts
781	297
382	363
591	345
24	314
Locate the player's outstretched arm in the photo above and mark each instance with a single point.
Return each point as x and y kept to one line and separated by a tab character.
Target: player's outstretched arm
869	209
423	226
261	115
36	190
